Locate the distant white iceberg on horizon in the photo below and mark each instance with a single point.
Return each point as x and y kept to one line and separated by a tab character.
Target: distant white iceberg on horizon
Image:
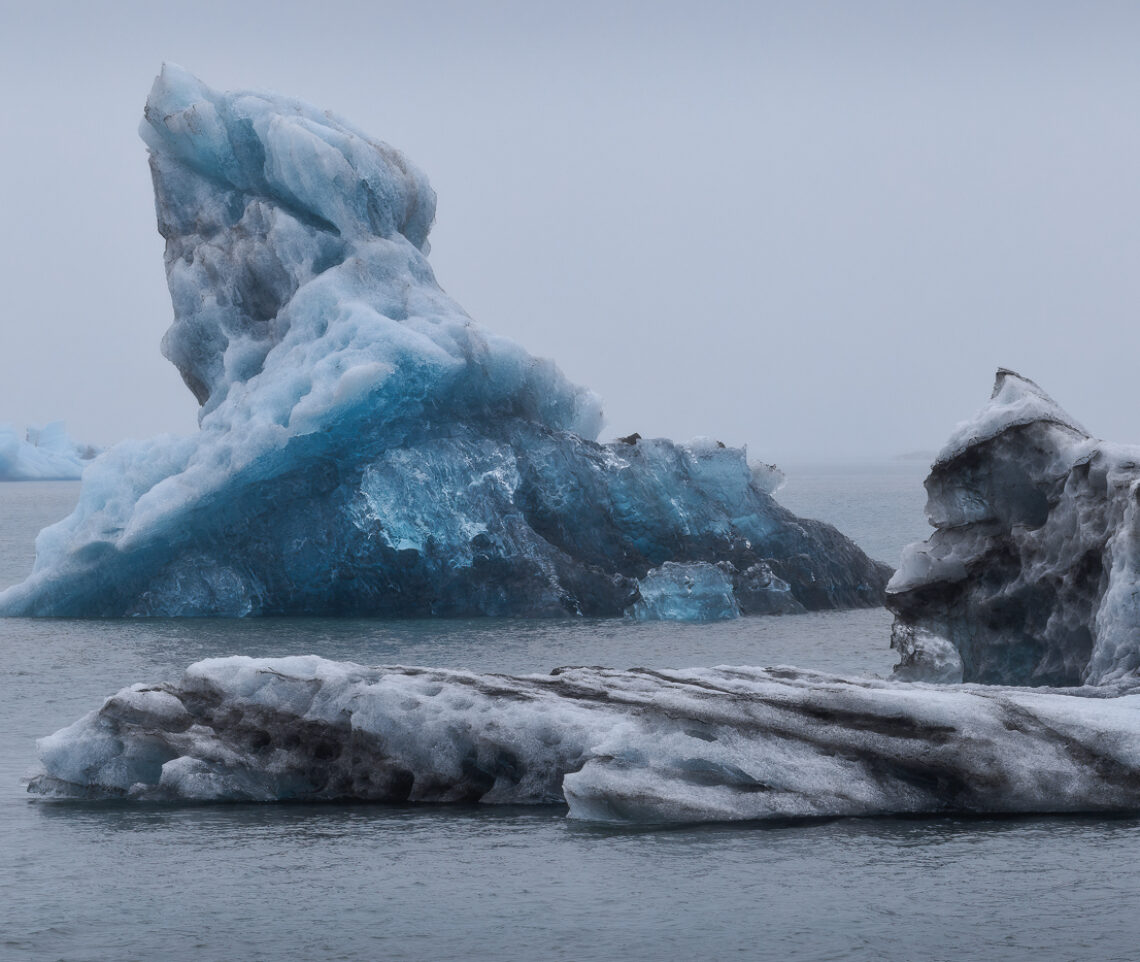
1032	574
42	454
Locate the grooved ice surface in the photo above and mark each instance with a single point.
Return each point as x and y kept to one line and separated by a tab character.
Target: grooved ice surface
1032	575
640	745
42	454
364	446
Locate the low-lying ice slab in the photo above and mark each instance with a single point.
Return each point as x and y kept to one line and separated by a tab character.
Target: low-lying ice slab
1032	575
365	447
641	745
42	454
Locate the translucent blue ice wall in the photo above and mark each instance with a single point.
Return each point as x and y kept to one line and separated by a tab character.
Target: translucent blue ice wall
364	446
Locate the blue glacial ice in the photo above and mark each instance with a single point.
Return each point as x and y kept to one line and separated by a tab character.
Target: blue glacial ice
700	591
701	744
42	454
364	446
679	591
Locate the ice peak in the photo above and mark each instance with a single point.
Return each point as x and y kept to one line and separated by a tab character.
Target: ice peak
258	196
1009	383
291	153
1014	402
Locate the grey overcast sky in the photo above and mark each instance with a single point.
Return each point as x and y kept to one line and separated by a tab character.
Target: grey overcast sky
815	228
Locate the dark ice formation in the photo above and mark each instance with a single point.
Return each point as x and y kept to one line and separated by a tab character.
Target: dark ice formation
1032	575
642	745
365	448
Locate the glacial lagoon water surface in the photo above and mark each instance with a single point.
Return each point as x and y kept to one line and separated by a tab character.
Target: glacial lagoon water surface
364	882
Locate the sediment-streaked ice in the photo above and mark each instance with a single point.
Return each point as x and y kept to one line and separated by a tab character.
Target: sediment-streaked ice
640	745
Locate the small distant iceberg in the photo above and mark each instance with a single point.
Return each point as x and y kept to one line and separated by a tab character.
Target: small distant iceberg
365	447
42	454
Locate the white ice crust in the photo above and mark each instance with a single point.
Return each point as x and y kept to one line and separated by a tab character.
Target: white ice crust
1015	400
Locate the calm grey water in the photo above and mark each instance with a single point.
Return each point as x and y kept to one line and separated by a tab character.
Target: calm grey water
291	882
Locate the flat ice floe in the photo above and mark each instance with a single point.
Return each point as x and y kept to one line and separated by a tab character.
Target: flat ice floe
706	744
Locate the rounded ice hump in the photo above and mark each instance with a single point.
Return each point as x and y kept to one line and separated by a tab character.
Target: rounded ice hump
364	446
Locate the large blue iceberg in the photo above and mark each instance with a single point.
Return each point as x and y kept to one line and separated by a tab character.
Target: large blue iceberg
697	744
364	446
